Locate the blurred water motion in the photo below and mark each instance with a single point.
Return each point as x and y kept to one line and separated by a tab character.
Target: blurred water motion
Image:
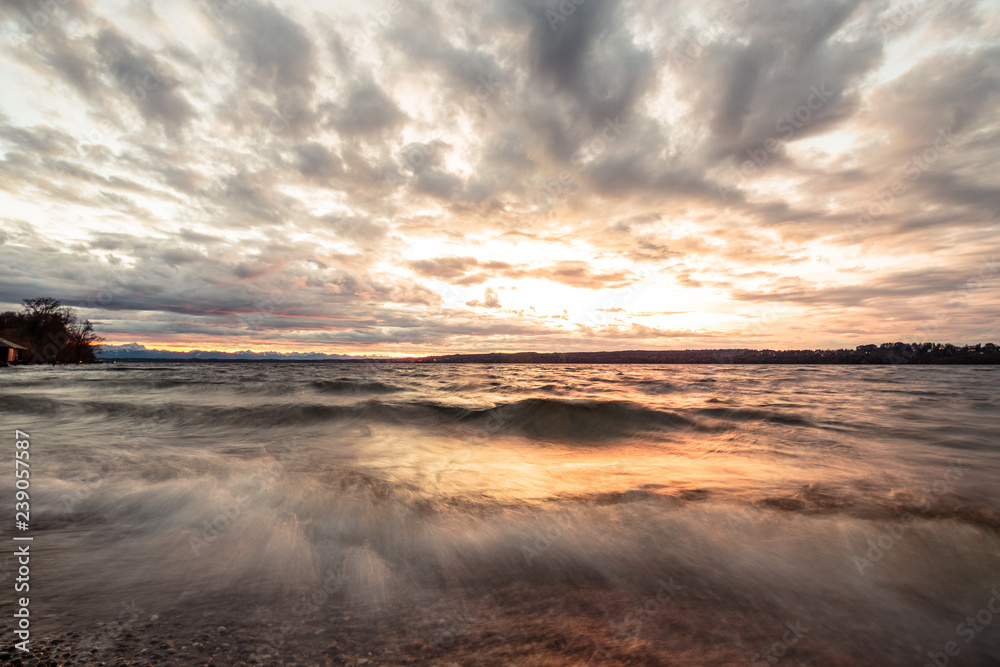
860	502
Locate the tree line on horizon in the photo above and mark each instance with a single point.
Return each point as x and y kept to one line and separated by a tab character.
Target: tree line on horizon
884	354
51	332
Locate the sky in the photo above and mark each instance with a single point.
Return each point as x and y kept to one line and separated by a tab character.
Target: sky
407	177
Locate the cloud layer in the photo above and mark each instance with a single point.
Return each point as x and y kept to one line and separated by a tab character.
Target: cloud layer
417	177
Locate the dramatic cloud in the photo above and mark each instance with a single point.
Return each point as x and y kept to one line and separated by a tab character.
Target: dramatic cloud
417	177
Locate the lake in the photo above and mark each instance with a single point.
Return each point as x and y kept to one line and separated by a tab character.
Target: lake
337	513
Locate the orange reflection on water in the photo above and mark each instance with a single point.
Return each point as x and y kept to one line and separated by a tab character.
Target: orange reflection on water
517	470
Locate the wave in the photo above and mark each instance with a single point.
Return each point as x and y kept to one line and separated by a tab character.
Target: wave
575	420
657	388
544	418
751	415
809	500
878	510
542	389
25	404
349	386
244	388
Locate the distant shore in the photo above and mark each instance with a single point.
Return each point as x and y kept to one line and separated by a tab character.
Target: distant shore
885	354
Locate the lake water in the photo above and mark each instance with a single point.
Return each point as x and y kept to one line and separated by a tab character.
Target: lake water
517	514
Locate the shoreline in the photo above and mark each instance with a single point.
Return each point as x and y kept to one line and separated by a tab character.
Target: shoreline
519	624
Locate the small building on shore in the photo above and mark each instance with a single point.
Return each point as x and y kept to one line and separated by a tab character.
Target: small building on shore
11	353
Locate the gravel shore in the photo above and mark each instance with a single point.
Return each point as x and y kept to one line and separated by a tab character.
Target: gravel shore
517	625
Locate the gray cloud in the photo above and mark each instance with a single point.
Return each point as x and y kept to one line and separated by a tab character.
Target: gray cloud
729	151
367	109
145	80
